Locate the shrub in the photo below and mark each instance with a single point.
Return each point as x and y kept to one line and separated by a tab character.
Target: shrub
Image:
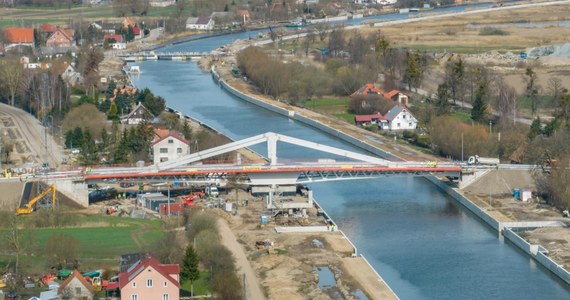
488	30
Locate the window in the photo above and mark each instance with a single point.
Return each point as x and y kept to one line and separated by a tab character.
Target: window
77	291
163	150
178	150
403	116
163	159
149	282
398	125
134	284
165	284
170	141
165	297
410	124
134	297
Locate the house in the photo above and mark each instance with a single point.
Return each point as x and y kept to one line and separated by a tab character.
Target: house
363	120
244	16
75	287
162	3
396	96
47	29
105	27
128	22
117	38
71	77
168	146
399	118
200	23
138	115
50	52
222	17
14	37
368	90
61	38
119	46
149	279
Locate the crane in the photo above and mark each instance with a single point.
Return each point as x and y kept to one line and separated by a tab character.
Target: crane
29	207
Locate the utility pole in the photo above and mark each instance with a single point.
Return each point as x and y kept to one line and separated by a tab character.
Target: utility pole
462	147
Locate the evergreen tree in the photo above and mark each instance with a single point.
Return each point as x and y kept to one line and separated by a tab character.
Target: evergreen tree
479	104
186	131
535	128
113	112
532	89
189	269
412	75
442	99
110	92
120	155
89	153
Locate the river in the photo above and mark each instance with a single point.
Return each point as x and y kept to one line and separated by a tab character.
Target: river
424	244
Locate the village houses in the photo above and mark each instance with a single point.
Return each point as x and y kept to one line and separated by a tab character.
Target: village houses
168	146
148	279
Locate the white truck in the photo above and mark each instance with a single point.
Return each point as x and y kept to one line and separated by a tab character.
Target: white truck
212	191
477	160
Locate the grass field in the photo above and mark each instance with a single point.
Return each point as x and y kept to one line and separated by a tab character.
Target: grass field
201	286
30	15
100	241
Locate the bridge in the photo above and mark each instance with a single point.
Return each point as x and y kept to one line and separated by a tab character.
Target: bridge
153	55
349	165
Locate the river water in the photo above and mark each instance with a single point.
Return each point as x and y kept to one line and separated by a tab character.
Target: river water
424	244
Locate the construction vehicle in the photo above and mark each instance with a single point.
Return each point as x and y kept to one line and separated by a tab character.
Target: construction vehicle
97	283
30	206
476	160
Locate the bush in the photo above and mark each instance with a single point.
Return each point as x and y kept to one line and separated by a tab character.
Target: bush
487	30
199	221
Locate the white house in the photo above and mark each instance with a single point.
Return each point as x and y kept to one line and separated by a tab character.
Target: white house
138	115
70	76
399	118
169	146
200	23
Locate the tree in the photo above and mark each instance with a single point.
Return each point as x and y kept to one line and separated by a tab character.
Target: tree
412	75
535	128
479	105
454	77
442	99
227	286
11	72
382	47
506	100
60	250
167	249
189	269
531	91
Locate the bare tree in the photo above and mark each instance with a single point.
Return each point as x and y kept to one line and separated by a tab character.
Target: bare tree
506	100
556	90
11	72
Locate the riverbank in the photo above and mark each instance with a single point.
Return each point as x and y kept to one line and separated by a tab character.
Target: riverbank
222	72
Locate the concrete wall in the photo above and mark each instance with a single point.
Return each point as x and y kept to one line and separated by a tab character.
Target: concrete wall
307	121
465	202
76	191
538	253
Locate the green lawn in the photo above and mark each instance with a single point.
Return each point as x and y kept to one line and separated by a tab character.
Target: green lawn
99	243
201	286
465	117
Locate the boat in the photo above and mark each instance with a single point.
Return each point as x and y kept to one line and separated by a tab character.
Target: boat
300	23
134	70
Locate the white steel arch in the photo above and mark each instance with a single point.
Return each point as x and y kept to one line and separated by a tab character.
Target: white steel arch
271	139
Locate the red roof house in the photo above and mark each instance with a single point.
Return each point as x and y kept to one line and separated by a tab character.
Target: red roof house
47	29
61	38
76	287
169	146
149	279
368	119
117	37
367	90
18	37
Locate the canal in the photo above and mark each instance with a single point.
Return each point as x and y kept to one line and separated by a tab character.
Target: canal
423	243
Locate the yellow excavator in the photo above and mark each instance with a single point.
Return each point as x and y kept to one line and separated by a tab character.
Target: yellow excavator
29	207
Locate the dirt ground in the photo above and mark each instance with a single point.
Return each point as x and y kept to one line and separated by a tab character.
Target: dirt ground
287	268
493	192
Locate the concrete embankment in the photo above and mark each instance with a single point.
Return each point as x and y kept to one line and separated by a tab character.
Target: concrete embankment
508	230
540	256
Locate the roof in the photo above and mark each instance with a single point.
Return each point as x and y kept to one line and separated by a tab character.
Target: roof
18	35
138	107
149	261
68	33
47	28
391	94
394	111
117	37
75	274
368	89
203	20
137	30
170	134
243	12
368	118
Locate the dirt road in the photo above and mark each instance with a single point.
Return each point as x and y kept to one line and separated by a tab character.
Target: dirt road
253	289
28	136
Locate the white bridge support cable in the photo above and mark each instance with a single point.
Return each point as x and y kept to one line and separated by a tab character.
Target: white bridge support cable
271	139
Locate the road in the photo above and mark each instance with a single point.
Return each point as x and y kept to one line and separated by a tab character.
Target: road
253	289
28	136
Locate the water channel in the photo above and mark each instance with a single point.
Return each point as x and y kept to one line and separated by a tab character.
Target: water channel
424	244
